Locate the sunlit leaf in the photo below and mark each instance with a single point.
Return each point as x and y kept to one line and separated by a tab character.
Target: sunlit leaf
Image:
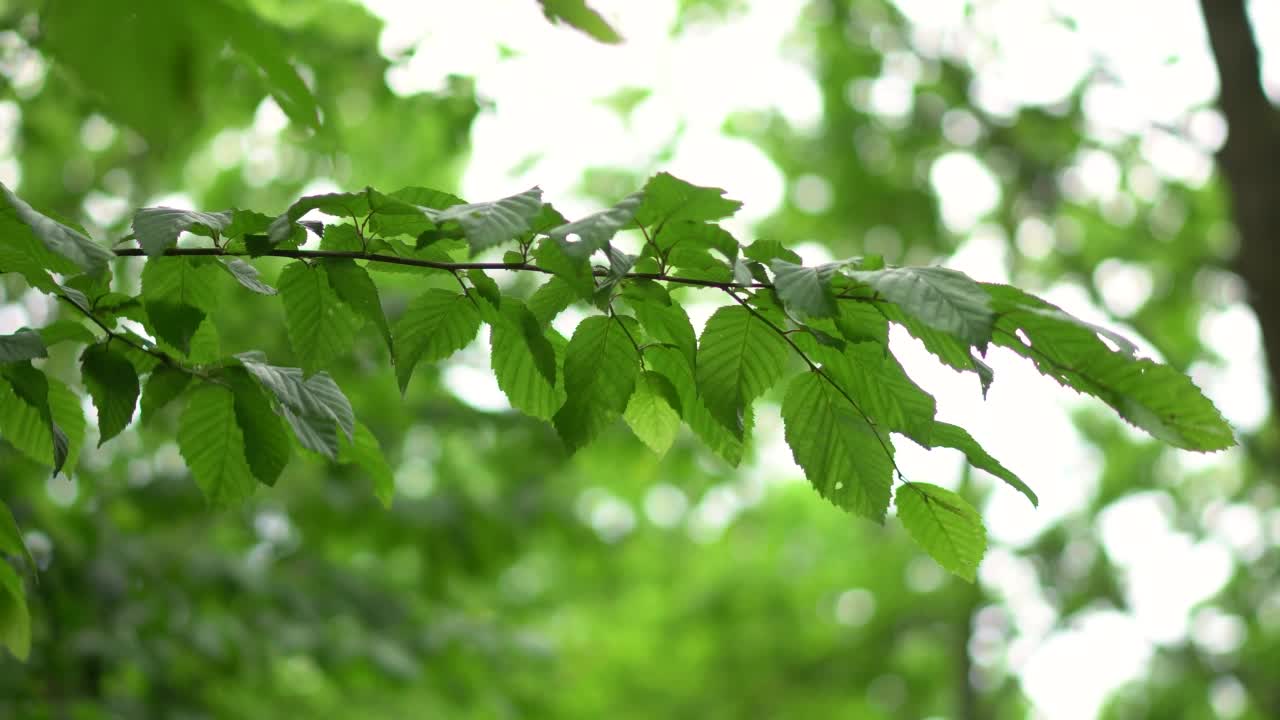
946	526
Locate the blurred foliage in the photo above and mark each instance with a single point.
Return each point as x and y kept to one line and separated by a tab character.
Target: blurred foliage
509	580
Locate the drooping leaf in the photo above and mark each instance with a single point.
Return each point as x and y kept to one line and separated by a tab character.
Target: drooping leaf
15	621
582	237
670	199
579	15
61	331
175	323
353	286
247	275
59	239
364	450
694	235
955	437
665	321
157	229
653	413
944	346
69	422
26	419
315	407
524	362
875	379
318	325
112	382
806	289
163	386
943	299
843	456
488	224
266	442
675	366
739	358
551	299
177	294
946	526
766	251
574	271
212	443
25	344
11	541
434	326
600	368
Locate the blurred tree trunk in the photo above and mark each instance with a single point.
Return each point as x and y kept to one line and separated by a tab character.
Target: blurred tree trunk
1250	162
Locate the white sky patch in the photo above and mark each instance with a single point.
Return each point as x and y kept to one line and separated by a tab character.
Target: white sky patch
965	187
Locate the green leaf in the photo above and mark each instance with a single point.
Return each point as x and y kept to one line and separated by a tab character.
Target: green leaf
488	224
343	205
674	366
68	420
806	289
670	199
212	443
246	222
353	286
653	413
524	362
943	299
163	386
842	455
579	15
15	620
955	437
739	358
266	442
61	331
11	541
25	344
943	346
365	451
551	299
877	381
434	326
247	275
157	229
112	382
63	241
178	293
600	368
664	320
765	251
574	271
582	237
314	407
946	526
26	419
687	235
319	327
174	323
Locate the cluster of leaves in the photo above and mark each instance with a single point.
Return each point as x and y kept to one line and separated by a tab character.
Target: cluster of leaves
823	331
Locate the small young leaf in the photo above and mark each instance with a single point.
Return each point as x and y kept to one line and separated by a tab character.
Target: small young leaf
942	299
314	407
844	457
112	382
59	239
25	344
157	229
353	286
247	275
946	526
363	449
319	327
582	237
488	224
212	443
806	289
436	324
266	442
739	358
600	368
653	413
164	385
15	620
578	14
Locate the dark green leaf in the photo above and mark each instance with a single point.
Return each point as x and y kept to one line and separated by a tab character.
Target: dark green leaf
112	382
343	205
15	621
364	450
353	286
314	407
436	324
25	344
600	369
805	289
319	327
266	442
674	366
26	419
946	526
163	386
670	199
524	362
843	456
11	541
575	271
739	358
